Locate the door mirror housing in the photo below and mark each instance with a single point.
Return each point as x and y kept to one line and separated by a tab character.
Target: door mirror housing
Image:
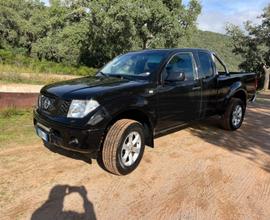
175	77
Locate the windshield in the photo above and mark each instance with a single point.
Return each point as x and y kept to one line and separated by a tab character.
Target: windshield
134	64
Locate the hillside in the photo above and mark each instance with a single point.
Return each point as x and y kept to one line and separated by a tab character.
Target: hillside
17	63
219	43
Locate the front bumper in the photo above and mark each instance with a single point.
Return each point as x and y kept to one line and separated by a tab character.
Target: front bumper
74	139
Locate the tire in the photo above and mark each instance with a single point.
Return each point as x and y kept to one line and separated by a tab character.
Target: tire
232	120
119	143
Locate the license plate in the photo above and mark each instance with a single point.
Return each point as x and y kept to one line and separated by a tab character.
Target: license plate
42	134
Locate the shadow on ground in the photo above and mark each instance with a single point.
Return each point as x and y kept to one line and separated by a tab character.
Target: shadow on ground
251	141
53	208
87	158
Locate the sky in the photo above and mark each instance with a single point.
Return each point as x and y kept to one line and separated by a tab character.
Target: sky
217	13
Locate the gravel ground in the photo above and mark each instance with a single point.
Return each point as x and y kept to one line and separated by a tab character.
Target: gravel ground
201	172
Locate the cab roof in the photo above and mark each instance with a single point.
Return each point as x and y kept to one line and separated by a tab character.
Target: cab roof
173	50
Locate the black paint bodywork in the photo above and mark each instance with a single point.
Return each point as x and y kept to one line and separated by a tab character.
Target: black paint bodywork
158	105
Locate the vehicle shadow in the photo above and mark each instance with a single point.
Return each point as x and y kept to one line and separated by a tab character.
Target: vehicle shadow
53	208
87	158
252	140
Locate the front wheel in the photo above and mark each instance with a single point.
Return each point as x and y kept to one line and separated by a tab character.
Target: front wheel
123	147
234	114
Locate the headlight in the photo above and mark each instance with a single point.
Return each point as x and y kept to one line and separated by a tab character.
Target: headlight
81	108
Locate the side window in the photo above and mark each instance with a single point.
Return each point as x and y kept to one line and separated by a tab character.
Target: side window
182	62
206	64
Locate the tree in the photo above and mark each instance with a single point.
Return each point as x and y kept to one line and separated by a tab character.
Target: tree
67	32
118	26
22	23
253	44
92	32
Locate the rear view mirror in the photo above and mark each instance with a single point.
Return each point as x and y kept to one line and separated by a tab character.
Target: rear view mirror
175	76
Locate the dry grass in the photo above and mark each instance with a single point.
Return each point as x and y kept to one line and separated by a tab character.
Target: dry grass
32	78
16	127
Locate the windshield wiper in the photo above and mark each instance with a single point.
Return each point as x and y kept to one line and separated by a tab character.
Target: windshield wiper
111	75
103	74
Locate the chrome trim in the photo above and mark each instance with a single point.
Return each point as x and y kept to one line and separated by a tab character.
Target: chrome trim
43	127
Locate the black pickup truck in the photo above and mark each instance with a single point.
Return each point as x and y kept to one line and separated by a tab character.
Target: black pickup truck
137	97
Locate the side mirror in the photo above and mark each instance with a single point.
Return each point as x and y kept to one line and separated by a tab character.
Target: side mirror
175	76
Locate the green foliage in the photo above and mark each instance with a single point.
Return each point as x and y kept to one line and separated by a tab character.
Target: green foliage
80	32
219	43
120	26
21	23
34	65
253	44
69	35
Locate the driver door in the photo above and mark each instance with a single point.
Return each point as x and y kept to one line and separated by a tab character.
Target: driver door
179	101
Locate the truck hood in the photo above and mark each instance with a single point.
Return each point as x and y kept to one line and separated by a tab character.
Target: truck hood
89	87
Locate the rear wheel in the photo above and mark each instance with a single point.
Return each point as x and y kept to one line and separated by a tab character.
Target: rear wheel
123	147
234	114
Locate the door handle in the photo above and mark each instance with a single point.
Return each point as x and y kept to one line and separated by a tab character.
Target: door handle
196	88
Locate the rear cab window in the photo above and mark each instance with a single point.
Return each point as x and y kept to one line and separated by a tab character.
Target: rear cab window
206	64
220	67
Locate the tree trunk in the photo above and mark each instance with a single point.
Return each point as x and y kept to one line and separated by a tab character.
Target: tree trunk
145	44
267	75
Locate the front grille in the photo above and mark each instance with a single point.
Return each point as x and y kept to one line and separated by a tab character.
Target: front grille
47	104
64	107
53	106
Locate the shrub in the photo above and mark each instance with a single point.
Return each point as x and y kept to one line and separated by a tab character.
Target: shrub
29	64
9	112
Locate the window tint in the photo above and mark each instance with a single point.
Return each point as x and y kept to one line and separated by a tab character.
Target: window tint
181	63
206	64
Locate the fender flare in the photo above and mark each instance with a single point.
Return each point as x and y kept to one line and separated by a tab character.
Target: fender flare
237	87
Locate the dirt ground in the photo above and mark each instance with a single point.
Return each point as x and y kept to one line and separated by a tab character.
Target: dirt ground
16	87
201	172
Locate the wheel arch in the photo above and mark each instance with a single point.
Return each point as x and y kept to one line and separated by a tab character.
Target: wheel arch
237	90
137	115
241	94
234	93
